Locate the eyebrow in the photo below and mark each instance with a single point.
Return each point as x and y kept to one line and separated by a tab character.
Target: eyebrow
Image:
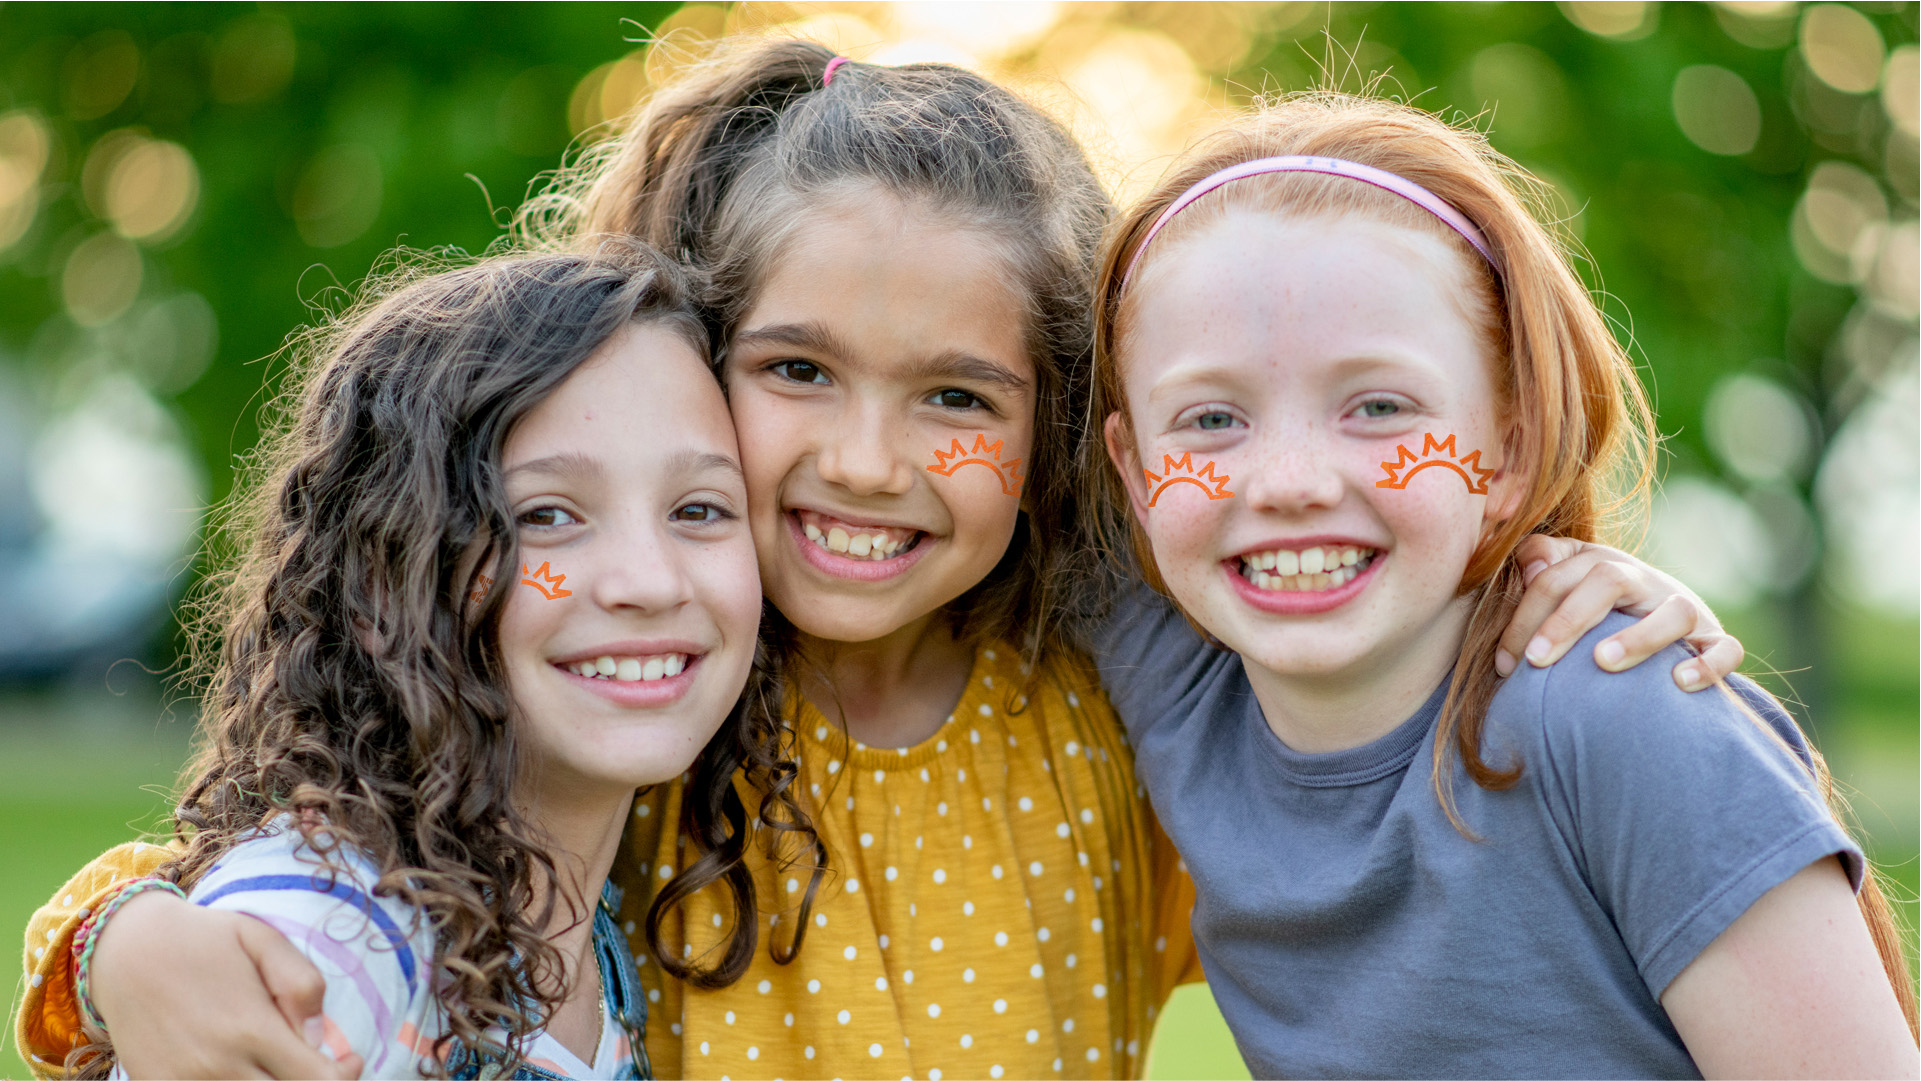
698	461
952	364
569	464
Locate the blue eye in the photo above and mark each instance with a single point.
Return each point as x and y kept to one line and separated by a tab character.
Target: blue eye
800	371
1213	422
1380	407
956	399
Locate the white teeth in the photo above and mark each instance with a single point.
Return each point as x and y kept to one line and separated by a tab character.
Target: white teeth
1286	562
653	669
1312	569
1312	561
813	532
675	664
837	539
869	546
632	669
605	666
860	545
1350	556
627	670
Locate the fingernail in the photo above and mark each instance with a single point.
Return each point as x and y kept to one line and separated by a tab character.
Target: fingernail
1528	572
1537	650
1611	654
1503	662
1690	677
314	1031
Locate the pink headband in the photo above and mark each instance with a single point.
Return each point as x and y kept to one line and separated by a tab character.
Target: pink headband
1297	163
827	77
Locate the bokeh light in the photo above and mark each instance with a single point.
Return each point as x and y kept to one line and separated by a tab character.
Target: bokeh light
24	148
1716	109
338	196
1842	48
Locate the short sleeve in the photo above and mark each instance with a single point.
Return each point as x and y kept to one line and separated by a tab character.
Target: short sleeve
1682	809
373	951
1149	657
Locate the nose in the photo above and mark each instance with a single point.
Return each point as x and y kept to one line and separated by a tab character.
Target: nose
1295	472
639	568
862	452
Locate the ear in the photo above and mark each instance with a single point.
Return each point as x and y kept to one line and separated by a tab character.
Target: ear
1121	451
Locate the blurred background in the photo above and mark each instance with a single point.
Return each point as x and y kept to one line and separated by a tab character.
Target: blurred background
182	185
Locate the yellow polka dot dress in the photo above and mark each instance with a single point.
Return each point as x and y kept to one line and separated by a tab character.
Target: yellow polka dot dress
1001	904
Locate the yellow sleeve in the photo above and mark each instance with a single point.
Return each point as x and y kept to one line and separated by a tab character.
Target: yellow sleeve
48	1024
1177	960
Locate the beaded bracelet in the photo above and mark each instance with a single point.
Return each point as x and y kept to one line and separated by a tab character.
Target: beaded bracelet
88	937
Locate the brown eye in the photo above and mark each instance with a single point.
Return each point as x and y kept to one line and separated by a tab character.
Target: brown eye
547	518
800	371
698	512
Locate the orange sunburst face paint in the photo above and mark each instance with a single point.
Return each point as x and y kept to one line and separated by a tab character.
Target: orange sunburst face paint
1178	470
982	453
548	583
1436	453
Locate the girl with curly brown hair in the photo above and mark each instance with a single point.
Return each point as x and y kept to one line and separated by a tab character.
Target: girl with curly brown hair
497	576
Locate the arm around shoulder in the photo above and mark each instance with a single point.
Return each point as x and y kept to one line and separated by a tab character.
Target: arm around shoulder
1794	988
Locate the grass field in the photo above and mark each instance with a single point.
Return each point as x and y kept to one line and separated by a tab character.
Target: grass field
81	773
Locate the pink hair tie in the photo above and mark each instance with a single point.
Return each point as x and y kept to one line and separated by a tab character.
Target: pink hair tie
827	77
1300	163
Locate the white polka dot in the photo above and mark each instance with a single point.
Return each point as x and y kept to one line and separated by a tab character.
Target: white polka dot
940	876
834	766
967	841
1097	882
666	872
1011	741
820	919
730	1017
933	1009
987	710
69	901
1133	1047
716	919
1035	971
843	1017
1067	1025
907	976
853	885
766	986
1000	938
789	1019
997	870
1033	1035
753	1053
654	995
967	908
994	1070
1070	960
39	952
1093	1054
1160	944
1096	924
941	747
892	873
642	811
960	775
867	840
850	803
880	983
813	986
38	979
1000	1005
880	775
966	1040
973	735
1042	934
935	944
1073	747
628	927
676	1027
703	1047
883	942
820	732
923	776
808	1051
933	1074
1062	830
874	1049
1025	804
1035	869
816	789
988	653
1100	990
1069	895
1057	1065
987	804
1073	699
967	975
941	807
987	681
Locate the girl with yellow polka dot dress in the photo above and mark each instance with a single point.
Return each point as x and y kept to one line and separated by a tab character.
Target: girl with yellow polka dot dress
901	265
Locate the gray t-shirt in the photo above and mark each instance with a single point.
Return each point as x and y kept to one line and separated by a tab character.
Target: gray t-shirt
1349	930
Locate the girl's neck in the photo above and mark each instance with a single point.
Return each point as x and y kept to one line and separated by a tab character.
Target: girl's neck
892	691
580	827
1322	712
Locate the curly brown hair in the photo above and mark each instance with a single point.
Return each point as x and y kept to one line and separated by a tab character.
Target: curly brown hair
348	680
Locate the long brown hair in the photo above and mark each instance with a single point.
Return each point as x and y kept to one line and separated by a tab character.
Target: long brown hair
1580	430
349	681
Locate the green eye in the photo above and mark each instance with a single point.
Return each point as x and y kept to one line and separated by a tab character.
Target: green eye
1380	407
1213	422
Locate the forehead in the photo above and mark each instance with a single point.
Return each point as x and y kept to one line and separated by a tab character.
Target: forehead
891	279
1255	285
645	394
